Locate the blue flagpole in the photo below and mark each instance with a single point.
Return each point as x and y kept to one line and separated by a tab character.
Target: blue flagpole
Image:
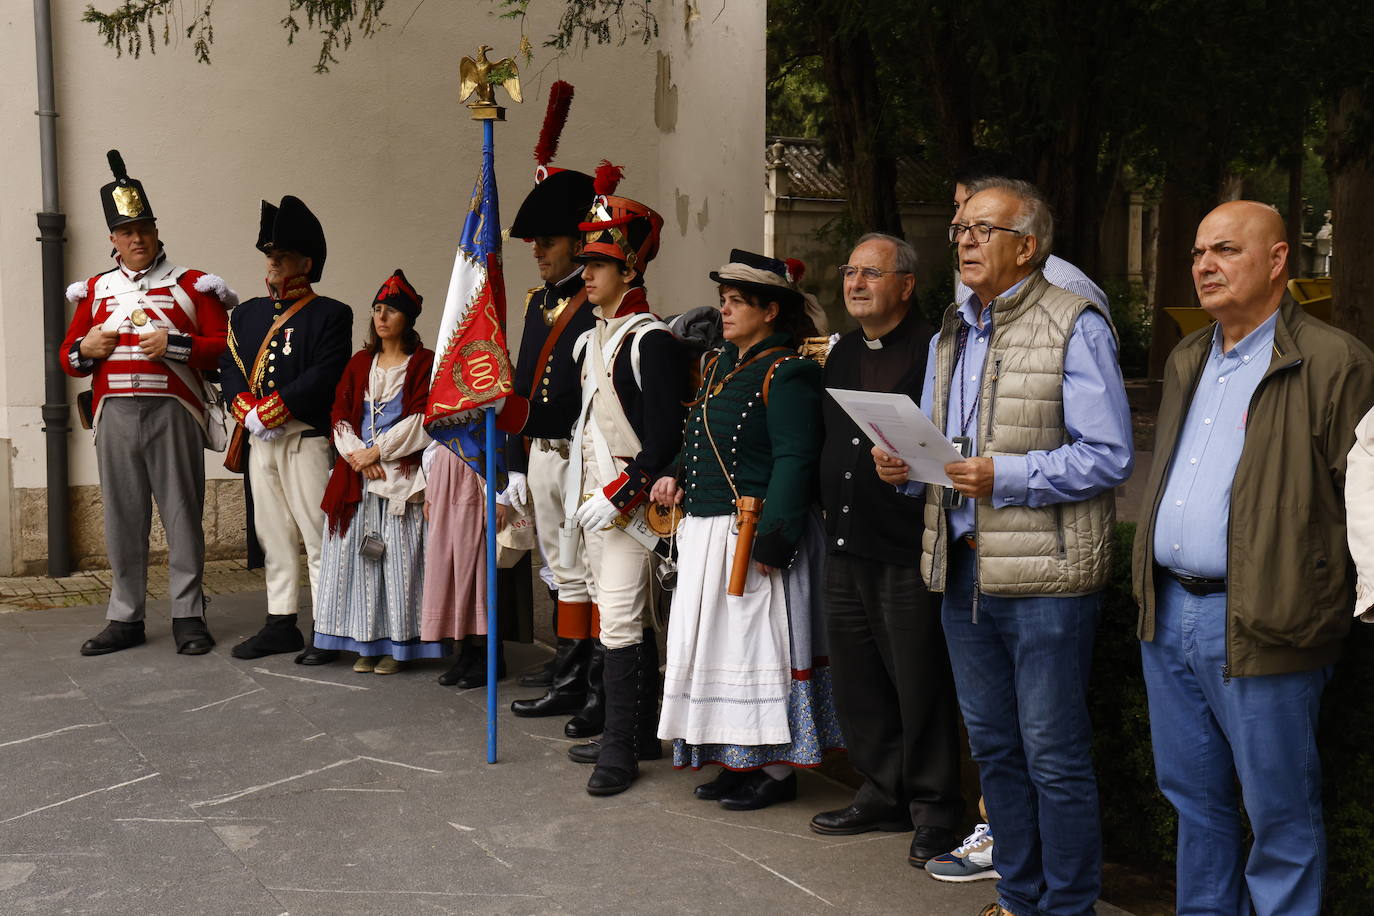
493	624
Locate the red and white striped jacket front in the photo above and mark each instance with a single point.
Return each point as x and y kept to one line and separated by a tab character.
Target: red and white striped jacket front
189	303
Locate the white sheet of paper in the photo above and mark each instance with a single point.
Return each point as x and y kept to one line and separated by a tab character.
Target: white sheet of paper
895	424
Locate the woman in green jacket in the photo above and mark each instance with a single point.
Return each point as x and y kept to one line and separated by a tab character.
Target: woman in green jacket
742	687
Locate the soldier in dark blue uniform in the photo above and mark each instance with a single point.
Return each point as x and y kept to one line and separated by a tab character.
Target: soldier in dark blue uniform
286	353
548	394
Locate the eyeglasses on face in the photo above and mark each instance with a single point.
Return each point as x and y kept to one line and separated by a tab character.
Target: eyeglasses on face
871	274
982	232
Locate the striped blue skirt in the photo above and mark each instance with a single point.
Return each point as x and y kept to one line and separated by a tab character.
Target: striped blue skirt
372	607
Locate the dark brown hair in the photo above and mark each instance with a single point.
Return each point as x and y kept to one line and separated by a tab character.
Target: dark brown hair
410	339
792	319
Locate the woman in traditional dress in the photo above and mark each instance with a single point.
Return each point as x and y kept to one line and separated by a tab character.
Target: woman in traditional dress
742	687
374	538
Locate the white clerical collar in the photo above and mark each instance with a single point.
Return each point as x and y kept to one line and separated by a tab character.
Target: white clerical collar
872	344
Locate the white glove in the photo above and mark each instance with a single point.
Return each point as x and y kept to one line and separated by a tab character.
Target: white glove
254	425
517	492
597	512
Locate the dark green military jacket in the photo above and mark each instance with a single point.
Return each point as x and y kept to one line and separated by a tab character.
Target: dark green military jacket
771	451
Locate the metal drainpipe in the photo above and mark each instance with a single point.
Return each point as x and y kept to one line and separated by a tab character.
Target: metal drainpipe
51	225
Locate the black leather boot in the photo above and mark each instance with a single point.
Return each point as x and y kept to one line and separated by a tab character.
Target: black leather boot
648	747
617	765
476	676
542	676
118	634
591	718
316	656
191	635
469	654
568	692
279	634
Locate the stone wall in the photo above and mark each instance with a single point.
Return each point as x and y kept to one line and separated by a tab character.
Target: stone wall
224	527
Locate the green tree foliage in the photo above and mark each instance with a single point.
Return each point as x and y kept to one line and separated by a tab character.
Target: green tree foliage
135	25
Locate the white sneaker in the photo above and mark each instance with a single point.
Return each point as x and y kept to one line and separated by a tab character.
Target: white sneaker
972	861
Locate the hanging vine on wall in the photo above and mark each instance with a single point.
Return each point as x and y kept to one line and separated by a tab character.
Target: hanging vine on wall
136	25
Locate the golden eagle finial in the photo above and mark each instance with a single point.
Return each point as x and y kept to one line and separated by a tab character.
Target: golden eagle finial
480	77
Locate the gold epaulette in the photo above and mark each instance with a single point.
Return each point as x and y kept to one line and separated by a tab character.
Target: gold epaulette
529	296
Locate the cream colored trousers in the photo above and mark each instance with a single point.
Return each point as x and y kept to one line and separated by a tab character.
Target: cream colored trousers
288	476
547	473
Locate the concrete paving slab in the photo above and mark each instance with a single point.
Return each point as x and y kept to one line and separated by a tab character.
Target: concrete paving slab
212	785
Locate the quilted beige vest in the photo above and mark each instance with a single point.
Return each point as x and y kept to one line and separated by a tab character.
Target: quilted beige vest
1063	549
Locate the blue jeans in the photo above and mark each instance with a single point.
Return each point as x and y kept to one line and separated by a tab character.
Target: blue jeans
1021	673
1208	732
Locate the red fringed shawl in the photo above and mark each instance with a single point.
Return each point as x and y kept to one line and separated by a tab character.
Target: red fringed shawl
345	489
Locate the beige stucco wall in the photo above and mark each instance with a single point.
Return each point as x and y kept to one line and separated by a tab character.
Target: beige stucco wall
804	228
379	149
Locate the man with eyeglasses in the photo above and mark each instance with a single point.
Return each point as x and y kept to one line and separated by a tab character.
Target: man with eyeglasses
893	690
1025	374
1057	270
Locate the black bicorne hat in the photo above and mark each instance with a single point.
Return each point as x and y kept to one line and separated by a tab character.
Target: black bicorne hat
124	199
554	206
397	293
292	227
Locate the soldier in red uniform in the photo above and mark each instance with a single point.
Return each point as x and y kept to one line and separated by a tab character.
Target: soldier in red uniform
145	331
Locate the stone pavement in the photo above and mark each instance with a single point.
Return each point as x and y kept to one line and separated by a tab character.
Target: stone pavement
222	577
147	782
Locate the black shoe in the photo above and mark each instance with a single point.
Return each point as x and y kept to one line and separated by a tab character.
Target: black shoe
191	635
552	703
278	634
591	719
589	752
585	753
118	634
476	676
469	655
610	780
725	783
846	821
930	842
761	790
568	690
316	656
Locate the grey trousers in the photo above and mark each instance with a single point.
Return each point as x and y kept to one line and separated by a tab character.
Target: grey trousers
152	448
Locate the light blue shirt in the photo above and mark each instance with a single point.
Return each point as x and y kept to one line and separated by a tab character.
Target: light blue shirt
1194	513
1100	452
1059	272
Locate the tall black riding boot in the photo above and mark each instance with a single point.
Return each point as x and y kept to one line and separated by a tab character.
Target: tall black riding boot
617	764
278	634
542	676
648	746
568	691
591	718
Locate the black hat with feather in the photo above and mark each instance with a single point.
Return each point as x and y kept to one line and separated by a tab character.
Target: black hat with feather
560	197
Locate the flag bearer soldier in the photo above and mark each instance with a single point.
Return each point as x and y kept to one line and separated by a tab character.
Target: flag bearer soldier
145	330
629	429
541	413
287	351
